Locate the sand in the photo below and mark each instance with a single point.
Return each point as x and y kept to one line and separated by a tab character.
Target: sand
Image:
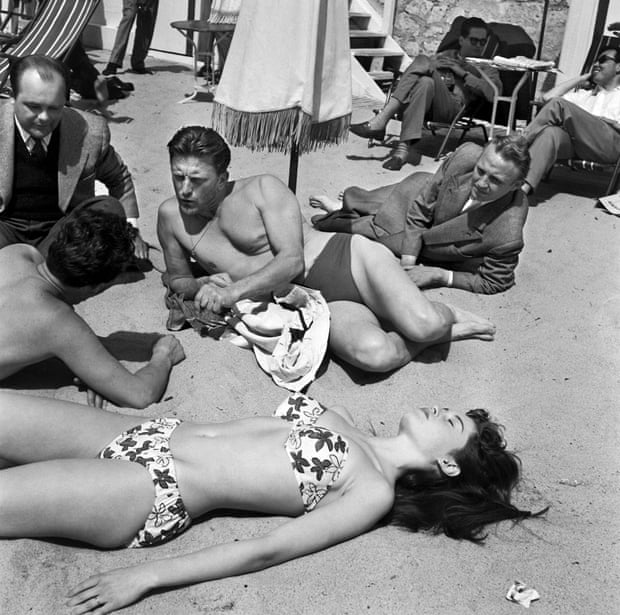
551	377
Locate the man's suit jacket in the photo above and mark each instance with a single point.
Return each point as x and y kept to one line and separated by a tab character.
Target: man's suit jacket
85	155
421	216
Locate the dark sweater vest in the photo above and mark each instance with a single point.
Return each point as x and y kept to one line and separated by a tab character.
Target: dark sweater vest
35	183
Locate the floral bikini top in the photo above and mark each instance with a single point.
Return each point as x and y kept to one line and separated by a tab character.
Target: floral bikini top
317	454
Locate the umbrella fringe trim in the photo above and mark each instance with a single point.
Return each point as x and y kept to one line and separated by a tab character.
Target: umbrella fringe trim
275	131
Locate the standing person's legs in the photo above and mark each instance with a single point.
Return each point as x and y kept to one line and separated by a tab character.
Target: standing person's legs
144	35
130	8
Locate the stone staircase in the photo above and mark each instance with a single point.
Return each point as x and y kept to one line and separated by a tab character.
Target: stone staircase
373	50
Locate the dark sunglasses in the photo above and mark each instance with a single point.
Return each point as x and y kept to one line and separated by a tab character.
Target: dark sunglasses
605	58
477	42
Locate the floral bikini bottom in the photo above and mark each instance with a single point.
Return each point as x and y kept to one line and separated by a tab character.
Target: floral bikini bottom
149	445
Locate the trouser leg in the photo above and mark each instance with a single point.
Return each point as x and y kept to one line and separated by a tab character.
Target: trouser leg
550	144
144	34
564	130
416	108
130	8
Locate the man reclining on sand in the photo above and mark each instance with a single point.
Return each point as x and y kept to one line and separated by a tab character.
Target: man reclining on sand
249	237
461	227
37	320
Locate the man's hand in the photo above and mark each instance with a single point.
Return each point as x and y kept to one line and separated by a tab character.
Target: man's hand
171	347
214	297
585	81
428	277
453	65
141	248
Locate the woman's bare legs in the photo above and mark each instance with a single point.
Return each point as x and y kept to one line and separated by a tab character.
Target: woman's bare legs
39	428
73	495
98	501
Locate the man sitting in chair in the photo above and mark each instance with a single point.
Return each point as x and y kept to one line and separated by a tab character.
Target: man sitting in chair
462	227
436	87
578	121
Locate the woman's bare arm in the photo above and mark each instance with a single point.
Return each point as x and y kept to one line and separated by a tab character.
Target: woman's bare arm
356	512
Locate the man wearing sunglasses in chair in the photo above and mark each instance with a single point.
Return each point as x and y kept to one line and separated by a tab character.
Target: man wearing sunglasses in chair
580	120
434	88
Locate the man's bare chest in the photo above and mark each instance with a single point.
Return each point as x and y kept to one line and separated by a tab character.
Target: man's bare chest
220	247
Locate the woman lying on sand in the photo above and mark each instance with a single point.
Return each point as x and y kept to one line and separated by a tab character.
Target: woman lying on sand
444	471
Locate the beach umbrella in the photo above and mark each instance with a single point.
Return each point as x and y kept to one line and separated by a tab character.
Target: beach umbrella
286	84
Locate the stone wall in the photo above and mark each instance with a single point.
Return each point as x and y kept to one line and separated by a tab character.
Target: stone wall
420	24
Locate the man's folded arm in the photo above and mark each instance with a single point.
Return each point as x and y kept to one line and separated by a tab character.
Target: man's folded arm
495	274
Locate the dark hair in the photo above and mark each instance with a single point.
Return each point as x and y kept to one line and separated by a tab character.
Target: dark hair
460	506
202	142
46	68
92	247
470	23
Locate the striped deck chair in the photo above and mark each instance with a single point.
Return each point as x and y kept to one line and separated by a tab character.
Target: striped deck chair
53	32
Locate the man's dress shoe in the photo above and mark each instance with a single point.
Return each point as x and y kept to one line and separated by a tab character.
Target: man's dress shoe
366	132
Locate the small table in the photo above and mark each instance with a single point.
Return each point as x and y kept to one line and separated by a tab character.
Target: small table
512	99
187	29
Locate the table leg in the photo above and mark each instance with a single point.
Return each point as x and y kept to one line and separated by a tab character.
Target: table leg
513	102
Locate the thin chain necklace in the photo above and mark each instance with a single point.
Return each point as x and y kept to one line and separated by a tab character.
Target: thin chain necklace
193	250
206	228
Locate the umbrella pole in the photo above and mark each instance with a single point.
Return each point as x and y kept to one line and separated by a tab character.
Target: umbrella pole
541	38
293	166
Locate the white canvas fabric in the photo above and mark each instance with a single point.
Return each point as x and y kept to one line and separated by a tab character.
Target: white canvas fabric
287	76
288	336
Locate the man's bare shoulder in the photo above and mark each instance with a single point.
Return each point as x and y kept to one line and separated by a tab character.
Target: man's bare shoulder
169	207
18	261
22	251
263	191
259	184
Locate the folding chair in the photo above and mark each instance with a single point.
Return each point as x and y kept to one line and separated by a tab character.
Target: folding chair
576	164
53	31
15	16
506	40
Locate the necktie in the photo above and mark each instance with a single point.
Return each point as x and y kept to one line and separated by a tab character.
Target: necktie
38	151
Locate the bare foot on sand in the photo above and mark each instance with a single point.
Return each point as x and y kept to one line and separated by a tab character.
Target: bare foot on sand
325	203
468	326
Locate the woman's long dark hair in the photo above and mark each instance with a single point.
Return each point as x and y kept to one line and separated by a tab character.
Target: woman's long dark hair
463	505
